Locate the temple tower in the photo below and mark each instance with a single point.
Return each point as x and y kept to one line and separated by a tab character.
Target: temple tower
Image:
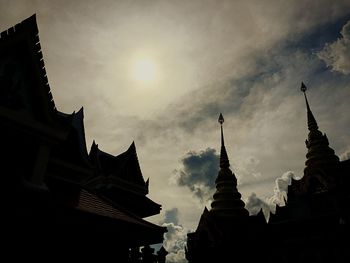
227	200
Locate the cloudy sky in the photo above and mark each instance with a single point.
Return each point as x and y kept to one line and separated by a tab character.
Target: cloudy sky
160	72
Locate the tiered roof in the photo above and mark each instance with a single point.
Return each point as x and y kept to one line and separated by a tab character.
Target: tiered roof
28	108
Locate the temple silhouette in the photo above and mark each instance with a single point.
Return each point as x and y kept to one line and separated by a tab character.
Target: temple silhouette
311	227
56	190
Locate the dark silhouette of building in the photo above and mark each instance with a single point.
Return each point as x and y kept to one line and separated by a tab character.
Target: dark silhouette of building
311	227
54	189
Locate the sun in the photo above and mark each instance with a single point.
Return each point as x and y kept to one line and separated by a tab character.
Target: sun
144	70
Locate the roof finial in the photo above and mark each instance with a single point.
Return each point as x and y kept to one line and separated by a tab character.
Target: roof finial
311	121
221	121
303	88
224	162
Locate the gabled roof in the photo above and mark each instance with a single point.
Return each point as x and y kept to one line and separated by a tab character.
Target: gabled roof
21	44
72	151
123	168
208	224
129	226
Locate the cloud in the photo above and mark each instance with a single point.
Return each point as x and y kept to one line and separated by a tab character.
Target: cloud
211	62
280	194
345	155
337	54
172	216
198	173
175	238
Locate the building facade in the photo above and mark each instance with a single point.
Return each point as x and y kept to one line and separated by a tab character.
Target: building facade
54	189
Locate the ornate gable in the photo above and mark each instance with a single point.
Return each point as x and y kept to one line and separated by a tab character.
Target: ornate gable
23	80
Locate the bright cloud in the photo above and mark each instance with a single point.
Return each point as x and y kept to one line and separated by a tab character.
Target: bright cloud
175	238
337	54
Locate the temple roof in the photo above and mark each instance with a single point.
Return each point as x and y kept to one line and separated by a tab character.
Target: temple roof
133	228
119	178
207	224
78	126
24	56
91	203
123	168
27	104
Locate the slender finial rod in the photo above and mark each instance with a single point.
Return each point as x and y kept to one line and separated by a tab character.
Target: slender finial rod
311	121
221	121
303	88
224	162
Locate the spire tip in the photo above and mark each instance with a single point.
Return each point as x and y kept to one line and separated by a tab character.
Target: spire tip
221	119
303	87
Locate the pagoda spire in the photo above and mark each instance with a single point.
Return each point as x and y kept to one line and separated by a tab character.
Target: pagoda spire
319	153
227	200
311	121
224	161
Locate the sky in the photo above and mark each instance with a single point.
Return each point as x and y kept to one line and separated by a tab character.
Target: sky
160	72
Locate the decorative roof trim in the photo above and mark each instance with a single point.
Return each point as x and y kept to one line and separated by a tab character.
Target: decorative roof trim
28	30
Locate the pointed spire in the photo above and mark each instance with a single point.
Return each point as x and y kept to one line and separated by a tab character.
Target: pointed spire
224	161
319	153
311	121
227	200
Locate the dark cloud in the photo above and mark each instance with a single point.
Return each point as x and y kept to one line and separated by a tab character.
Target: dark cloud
277	72
337	54
198	173
171	216
206	102
316	38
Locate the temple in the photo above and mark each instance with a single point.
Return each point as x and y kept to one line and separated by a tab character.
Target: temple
62	197
54	188
317	210
311	227
226	231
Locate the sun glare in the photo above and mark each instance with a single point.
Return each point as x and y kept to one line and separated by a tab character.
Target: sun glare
144	70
